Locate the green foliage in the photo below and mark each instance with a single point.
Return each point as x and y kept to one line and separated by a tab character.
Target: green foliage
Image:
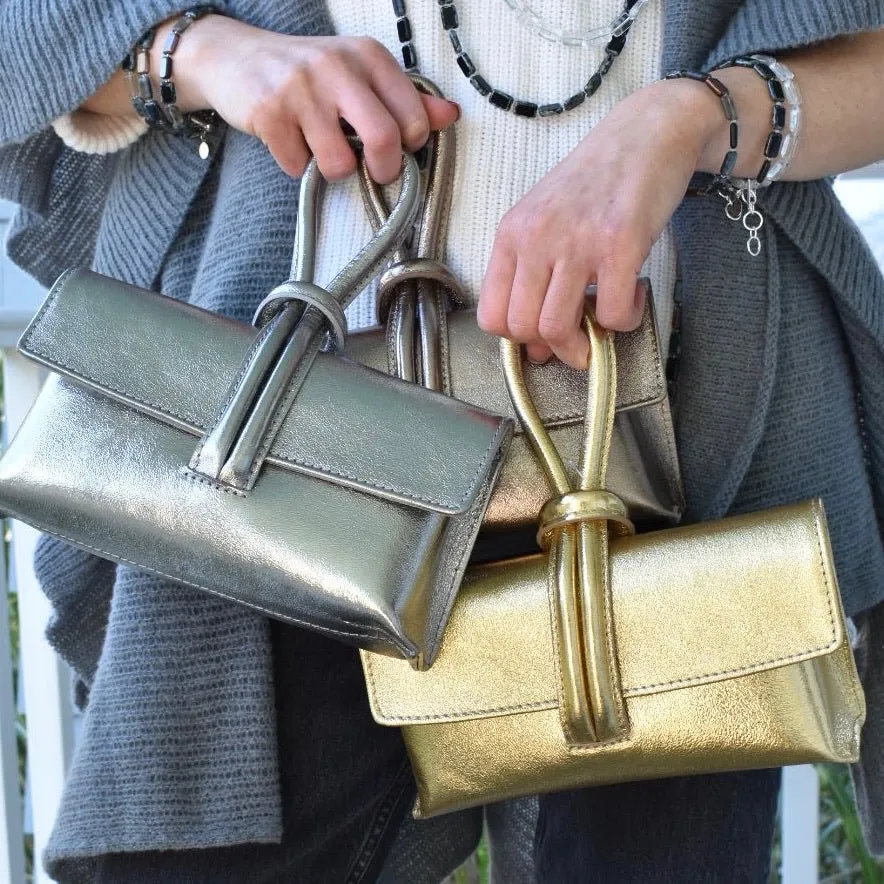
843	855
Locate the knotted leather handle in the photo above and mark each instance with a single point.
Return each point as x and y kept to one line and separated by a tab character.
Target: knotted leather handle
412	290
574	528
292	320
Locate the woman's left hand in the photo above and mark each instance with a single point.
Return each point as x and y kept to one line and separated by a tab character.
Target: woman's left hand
594	218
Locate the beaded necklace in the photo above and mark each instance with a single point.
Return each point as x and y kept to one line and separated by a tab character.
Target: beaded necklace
496	97
532	20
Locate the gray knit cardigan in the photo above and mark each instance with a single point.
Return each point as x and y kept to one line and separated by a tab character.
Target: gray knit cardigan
179	751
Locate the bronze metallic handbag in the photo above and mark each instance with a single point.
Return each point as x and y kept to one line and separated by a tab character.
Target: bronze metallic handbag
617	657
421	341
252	464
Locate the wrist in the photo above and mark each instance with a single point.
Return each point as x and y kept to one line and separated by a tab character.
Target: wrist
193	58
752	103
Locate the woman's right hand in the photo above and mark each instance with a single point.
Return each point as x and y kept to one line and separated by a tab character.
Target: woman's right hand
291	92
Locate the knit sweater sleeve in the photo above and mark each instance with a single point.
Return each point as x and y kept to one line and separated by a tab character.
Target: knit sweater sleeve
774	26
56	53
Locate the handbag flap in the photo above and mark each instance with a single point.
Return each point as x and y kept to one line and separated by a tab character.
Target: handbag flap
691	605
558	391
348	424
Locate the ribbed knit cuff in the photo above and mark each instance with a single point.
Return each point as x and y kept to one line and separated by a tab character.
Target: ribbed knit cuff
790	25
90	36
87	132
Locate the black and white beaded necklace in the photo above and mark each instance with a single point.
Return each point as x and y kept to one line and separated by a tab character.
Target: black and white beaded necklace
496	97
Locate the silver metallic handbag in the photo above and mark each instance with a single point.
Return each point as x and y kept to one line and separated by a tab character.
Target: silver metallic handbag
256	465
421	341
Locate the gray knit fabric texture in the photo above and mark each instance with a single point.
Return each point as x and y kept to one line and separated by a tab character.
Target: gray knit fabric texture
178	743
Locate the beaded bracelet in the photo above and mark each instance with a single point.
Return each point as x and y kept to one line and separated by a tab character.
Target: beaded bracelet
782	88
723	184
722	179
199	124
136	66
166	114
774	142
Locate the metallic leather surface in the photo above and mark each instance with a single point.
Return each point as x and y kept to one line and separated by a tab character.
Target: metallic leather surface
643	467
618	657
345	501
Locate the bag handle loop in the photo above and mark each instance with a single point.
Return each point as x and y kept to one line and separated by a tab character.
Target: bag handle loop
292	320
574	528
413	290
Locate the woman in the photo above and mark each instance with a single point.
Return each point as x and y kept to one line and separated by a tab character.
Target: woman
181	774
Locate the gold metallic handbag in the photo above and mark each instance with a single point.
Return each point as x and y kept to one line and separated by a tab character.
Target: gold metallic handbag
250	464
617	657
421	341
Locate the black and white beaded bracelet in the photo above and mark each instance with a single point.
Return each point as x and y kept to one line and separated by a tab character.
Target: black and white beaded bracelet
786	114
165	114
136	66
774	142
722	179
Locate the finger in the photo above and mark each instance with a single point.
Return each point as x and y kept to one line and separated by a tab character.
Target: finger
620	300
497	284
403	101
440	111
283	138
376	128
562	314
538	353
530	285
323	133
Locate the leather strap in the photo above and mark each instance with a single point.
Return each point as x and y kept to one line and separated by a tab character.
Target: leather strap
311	295
234	447
414	291
575	529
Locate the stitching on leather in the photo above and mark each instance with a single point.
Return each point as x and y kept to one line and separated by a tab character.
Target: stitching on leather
368	631
295	462
755	667
281	413
476	514
635	691
27	342
403	719
407	494
231	390
57	289
613	674
192	476
676	492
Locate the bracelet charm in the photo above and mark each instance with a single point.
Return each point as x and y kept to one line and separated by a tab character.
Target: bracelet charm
165	113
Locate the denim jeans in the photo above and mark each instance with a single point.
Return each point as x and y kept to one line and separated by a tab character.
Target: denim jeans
346	788
711	829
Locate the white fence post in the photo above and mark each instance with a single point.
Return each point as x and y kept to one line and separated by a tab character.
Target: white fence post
47	684
12	855
800	824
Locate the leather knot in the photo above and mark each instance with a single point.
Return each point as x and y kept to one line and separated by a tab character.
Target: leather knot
582	506
417	268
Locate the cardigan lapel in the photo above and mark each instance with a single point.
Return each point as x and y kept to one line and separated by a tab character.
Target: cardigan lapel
729	355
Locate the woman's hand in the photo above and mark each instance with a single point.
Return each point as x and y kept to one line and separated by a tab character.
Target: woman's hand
292	92
594	218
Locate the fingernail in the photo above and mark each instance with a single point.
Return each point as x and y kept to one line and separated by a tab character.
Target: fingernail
457	106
